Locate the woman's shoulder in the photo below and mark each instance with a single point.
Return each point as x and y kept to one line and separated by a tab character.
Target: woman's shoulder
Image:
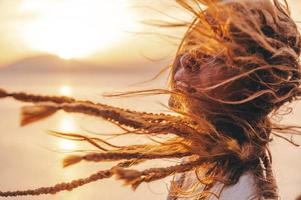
244	189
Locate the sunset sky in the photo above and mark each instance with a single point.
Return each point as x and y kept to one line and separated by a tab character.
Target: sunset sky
99	31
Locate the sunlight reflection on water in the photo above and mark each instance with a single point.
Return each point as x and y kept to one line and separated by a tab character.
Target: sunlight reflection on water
67	125
65	144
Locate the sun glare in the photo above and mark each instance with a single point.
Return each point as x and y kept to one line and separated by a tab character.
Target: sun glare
75	28
65	90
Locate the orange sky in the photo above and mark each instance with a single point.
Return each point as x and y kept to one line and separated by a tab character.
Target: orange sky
94	30
100	31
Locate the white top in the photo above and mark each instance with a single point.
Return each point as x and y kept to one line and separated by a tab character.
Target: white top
244	189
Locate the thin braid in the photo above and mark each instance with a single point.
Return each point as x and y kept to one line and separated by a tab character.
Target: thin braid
61	186
3	93
265	181
145	121
270	185
259	178
135	178
22	96
96	157
132	177
114	156
31	98
109	114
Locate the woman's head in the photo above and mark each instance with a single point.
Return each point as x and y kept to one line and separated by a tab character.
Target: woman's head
238	60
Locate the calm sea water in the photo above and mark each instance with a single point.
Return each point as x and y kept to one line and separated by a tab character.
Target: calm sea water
31	158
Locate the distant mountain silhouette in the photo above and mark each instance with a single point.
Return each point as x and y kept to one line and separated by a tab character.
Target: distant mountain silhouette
48	63
55	64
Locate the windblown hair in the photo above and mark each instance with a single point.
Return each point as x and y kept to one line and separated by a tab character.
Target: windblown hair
225	126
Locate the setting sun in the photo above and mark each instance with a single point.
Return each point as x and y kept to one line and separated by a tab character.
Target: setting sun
75	28
65	90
